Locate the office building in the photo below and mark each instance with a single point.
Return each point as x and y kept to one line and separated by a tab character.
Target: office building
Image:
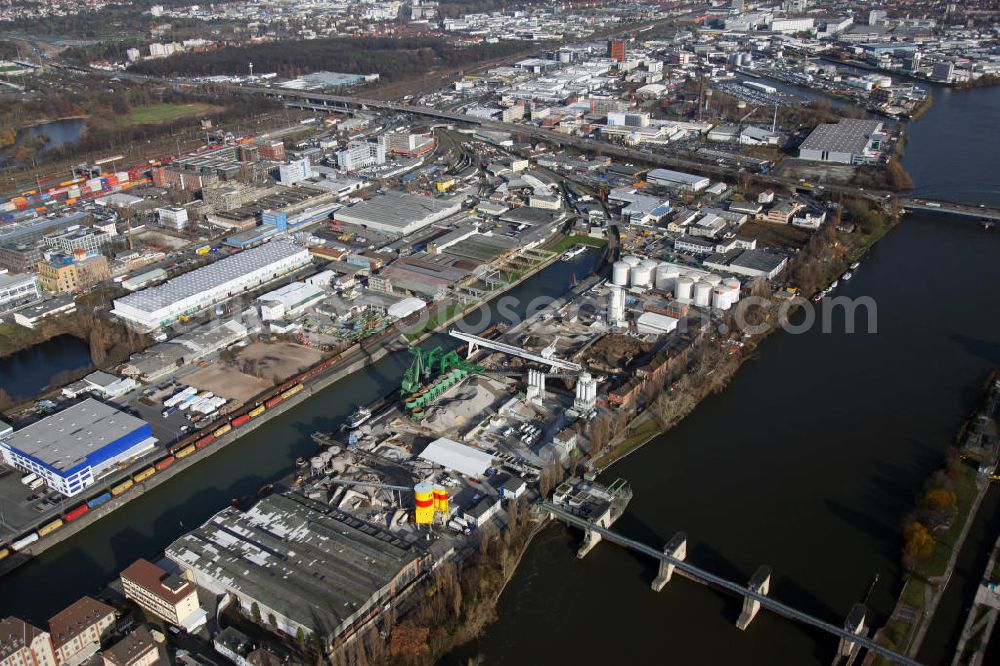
22	644
405	143
616	50
167	596
17	289
202	288
175	218
88	239
294	171
360	155
72	449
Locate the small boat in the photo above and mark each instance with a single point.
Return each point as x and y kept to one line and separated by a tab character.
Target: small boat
818	297
847	276
833	285
574	252
988	224
358	417
855	265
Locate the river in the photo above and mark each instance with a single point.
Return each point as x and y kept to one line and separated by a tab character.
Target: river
807	462
27	372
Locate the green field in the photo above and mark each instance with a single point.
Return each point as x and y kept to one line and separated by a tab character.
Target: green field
156	114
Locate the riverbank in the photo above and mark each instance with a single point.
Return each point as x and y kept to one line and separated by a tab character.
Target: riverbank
931	551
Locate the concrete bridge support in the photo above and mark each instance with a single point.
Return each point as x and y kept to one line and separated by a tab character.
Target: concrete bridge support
855	623
676	548
760	584
590	539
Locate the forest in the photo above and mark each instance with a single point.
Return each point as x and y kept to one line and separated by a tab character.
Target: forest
392	59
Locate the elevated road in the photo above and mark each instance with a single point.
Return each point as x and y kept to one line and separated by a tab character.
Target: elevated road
718	581
950	208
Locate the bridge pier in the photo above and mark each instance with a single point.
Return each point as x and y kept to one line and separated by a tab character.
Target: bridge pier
470	351
590	539
847	650
676	548
760	584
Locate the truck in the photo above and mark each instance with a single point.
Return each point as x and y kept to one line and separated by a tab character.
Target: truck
28	479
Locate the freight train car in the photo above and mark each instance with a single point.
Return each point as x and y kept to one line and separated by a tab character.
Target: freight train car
70	516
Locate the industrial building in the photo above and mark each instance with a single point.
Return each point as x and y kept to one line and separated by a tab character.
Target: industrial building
457	457
398	213
16	289
309	566
74	448
87	239
686	182
175	218
289	300
849	141
202	288
751	263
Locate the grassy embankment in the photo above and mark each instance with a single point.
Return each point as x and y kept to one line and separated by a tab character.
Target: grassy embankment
157	114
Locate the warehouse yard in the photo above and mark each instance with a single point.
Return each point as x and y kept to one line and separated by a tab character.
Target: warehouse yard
226	380
277	361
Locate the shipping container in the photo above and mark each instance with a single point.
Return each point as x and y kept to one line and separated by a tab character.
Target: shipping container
205	249
99	500
186	451
204	441
24	542
144	474
273	401
76	513
223	430
256	411
165	463
292	391
240	420
122	487
49	528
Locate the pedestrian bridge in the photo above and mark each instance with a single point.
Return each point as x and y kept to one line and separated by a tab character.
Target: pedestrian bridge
852	636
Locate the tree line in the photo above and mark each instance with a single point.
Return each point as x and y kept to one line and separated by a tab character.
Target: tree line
392	59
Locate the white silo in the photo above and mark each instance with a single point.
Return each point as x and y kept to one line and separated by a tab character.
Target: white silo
616	306
702	294
666	276
631	260
720	297
734	288
713	279
684	286
619	273
651	264
641	276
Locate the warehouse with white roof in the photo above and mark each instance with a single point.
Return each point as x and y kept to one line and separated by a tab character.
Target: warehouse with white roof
202	288
398	213
457	457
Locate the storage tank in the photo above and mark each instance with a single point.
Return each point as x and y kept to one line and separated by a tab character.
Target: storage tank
713	279
734	288
720	297
666	276
684	287
631	260
619	273
651	264
641	276
317	463
702	294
